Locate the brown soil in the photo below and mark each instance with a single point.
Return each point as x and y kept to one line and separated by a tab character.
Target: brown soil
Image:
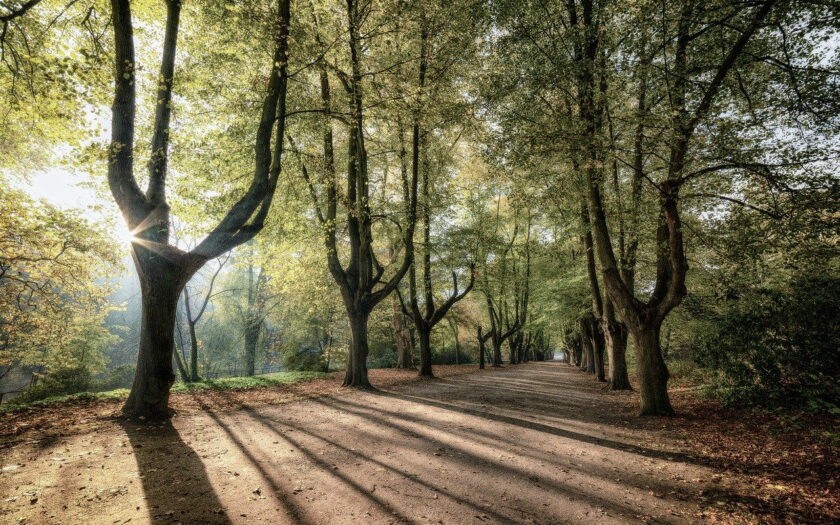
535	443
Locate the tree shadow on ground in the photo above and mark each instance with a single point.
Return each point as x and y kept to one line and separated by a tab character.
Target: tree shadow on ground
174	479
465	461
548	429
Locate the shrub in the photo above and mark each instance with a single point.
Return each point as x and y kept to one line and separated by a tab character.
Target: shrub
61	382
118	377
446	356
777	346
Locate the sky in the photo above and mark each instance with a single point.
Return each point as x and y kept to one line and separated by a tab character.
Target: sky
68	190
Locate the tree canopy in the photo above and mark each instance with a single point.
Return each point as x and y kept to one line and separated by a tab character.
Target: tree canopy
373	183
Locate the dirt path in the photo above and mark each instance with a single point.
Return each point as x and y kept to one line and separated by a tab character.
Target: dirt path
535	443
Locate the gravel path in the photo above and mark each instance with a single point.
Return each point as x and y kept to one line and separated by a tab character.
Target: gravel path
535	443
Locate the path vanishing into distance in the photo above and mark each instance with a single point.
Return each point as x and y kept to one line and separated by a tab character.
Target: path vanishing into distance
535	443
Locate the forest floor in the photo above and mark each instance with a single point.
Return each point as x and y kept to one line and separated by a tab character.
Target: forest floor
533	443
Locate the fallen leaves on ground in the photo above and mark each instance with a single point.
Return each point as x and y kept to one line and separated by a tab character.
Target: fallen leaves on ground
48	422
791	469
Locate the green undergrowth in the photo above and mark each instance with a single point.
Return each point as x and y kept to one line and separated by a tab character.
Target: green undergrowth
225	383
245	383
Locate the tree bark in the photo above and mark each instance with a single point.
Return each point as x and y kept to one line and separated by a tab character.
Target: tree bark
652	371
616	333
481	348
161	283
598	351
193	354
453	324
425	351
252	337
402	337
356	374
497	352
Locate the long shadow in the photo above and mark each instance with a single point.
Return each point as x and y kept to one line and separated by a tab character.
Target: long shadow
279	492
478	436
174	479
575	493
568	434
537	397
320	463
269	424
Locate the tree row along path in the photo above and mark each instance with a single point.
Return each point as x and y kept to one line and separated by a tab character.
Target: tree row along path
535	443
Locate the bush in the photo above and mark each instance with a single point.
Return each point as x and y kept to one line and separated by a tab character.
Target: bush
777	346
60	382
114	378
446	356
304	358
382	360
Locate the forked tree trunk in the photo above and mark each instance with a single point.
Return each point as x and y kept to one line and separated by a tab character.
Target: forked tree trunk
653	372
165	269
161	283
356	375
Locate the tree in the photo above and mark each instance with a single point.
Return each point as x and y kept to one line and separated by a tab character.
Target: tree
50	302
426	319
362	280
644	320
189	373
163	268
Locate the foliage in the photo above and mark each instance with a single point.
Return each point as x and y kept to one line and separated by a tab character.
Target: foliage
63	381
777	346
71	385
500	140
243	383
51	305
116	377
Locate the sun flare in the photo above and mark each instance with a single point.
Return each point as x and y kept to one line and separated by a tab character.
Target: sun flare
125	236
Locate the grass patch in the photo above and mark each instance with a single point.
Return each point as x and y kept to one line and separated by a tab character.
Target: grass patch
118	394
225	383
245	383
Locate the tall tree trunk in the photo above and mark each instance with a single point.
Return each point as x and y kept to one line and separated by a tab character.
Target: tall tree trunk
512	349
598	351
329	354
161	283
356	374
616	334
402	337
193	354
586	351
425	334
590	357
481	348
179	358
652	371
497	352
252	336
453	324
